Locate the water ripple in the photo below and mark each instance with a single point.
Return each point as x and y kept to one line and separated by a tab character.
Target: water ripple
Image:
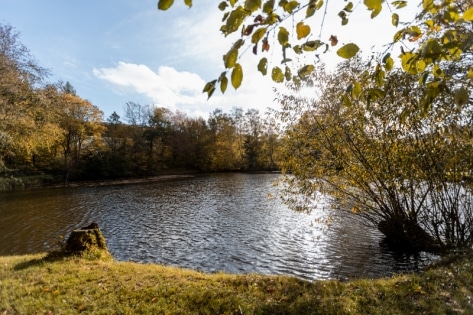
223	222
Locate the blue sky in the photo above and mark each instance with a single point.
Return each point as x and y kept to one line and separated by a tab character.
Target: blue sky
117	51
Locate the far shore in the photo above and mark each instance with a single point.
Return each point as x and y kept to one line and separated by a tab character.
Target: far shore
126	181
11	183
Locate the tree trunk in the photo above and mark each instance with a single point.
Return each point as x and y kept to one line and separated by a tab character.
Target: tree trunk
402	234
86	238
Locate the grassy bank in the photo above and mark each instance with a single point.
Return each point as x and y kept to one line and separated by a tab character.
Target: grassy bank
34	285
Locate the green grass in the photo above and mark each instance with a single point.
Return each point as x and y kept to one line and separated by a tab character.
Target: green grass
34	284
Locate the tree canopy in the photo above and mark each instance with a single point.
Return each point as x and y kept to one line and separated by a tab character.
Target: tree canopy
439	34
406	173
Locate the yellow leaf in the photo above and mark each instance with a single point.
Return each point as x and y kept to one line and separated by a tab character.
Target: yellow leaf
468	14
470	73
302	30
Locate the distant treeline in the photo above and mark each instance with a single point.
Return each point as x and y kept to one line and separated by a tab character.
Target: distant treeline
155	140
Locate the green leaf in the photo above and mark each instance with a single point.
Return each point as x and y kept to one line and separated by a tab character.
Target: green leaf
431	49
263	66
223	83
399	4
388	55
224	18
312	45
413	31
271	19
238	44
165	4
277	75
252	5
468	14
305	71
395	19
302	30
375	94
430	24
356	90
399	35
427	4
287	74
283	36
389	64
379	76
230	58
286	60
420	65
268	6
188	3
310	11
375	6
343	16
258	34
210	88
235	19
348	7
348	51
297	49
437	71
290	6
237	76
222	6
423	78
346	100
408	62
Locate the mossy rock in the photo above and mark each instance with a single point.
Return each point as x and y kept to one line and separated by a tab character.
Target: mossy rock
86	238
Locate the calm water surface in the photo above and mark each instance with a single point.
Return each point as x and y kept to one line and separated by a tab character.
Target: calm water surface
223	222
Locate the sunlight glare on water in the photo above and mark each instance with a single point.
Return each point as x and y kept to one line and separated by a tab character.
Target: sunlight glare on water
219	222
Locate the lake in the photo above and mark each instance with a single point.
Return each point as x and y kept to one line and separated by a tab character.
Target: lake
211	223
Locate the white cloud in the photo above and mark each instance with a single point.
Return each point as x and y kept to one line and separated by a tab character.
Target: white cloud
182	90
167	87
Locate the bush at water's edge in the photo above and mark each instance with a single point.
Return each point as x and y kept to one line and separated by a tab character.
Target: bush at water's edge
11	182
